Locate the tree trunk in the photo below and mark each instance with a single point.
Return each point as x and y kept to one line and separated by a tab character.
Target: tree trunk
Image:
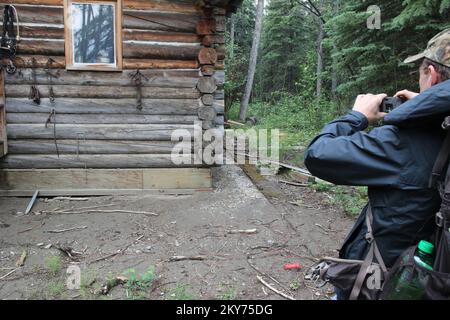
320	59
253	59
334	74
232	36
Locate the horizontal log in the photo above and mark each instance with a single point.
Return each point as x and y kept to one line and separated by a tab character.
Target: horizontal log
207	56
207	70
219	95
207	99
219	106
41	47
63	91
207	113
105	106
25	61
65	118
159	64
152	78
38	31
49	161
130	50
104	181
181	6
156	20
205	27
160	36
34	2
39	14
160	21
151	51
39	146
219	76
148	132
206	85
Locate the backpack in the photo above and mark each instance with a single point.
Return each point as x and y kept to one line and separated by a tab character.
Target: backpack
370	279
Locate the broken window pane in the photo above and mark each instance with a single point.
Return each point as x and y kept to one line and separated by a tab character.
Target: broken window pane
93	32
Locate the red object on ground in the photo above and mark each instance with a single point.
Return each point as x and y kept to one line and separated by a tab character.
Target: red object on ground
290	266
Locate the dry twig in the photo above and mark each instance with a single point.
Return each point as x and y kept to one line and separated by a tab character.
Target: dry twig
284	295
182	258
65	230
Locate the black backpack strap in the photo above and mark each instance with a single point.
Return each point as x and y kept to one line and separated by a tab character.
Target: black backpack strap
373	252
442	158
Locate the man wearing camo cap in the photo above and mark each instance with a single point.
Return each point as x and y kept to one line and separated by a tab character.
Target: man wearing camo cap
394	160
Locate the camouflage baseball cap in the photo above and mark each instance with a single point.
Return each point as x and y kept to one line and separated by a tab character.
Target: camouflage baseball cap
438	49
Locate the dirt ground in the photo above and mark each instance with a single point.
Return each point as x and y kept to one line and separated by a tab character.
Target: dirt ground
293	225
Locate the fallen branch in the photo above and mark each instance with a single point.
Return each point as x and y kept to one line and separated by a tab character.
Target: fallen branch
248	231
294	183
284	295
26	230
11	272
65	230
68	198
72	254
106	211
182	258
85	208
120	251
235	123
263	273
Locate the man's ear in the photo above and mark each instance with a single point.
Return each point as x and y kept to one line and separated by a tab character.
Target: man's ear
435	77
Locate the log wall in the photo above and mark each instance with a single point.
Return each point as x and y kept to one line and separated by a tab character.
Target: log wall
176	44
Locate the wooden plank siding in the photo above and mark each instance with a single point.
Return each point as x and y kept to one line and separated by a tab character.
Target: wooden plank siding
97	123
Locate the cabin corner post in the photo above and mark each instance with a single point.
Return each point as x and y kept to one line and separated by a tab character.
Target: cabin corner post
210	29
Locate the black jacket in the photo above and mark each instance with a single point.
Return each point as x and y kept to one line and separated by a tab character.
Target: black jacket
395	162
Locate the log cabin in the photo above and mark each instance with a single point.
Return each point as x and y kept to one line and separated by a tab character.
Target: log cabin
99	89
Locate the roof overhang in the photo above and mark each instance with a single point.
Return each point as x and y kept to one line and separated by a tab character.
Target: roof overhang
230	5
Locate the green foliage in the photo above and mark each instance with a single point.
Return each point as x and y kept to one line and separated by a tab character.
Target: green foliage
349	199
137	286
53	264
371	60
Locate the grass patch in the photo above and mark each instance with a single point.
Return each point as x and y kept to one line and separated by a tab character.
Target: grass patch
137	286
349	199
181	293
55	289
229	294
299	119
53	264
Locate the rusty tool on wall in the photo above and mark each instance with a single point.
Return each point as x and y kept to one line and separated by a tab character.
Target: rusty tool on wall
10	37
34	91
50	75
136	77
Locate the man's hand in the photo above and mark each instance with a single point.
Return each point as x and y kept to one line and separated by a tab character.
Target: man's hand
369	105
406	95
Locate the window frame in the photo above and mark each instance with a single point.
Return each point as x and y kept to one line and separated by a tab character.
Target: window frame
70	63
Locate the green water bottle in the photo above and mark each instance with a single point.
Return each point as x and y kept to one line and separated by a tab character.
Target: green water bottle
407	286
424	255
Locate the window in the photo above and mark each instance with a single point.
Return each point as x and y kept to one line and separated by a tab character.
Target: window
93	32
